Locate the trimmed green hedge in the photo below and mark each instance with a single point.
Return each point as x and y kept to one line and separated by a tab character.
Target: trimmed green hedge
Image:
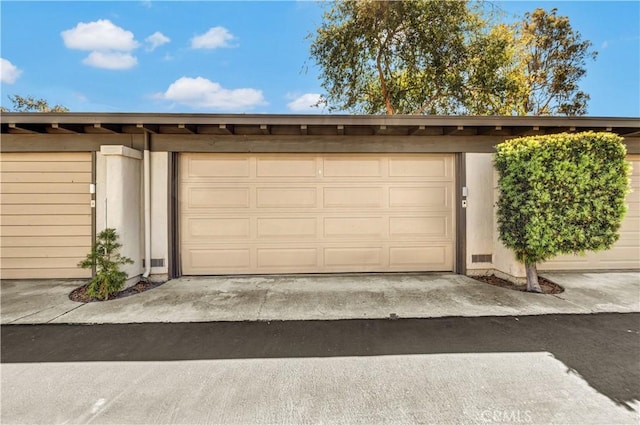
561	193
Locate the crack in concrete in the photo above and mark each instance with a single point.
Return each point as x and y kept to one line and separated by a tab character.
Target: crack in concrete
264	300
572	303
30	314
66	312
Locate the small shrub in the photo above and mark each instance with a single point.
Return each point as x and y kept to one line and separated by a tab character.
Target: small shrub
109	279
560	194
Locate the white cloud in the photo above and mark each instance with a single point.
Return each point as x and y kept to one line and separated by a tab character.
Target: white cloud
111	47
214	38
100	35
156	40
305	103
604	45
200	92
110	60
9	73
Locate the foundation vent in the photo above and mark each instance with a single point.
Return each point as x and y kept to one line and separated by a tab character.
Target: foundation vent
481	258
155	262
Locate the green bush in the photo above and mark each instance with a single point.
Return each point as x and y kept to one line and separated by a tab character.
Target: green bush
109	279
560	194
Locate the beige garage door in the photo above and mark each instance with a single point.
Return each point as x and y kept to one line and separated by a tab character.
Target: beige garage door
316	213
625	254
45	220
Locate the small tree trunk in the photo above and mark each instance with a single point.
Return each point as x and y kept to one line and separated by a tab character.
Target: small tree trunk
532	278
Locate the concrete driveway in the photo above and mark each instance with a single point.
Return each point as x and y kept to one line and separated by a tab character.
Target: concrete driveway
319	297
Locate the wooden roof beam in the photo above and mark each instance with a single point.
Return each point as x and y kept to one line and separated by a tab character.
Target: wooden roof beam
101	129
15	129
56	128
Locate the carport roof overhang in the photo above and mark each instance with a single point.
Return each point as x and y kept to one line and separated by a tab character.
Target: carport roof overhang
262	132
15	122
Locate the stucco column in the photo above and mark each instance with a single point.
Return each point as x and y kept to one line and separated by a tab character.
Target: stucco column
119	202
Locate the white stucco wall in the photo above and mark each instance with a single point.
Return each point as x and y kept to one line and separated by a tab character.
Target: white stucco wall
159	212
482	229
119	201
480	222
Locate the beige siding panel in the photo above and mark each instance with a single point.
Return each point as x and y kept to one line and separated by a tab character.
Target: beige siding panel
46	177
43	209
46	220
42	252
45	215
52	167
312	213
625	253
46	198
18	231
39	188
44	241
43	273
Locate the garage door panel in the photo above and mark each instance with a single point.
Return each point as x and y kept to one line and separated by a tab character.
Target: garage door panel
212	228
46	216
201	167
351	167
219	259
354	227
310	213
228	197
353	257
287	228
434	226
286	197
430	167
420	197
436	257
286	167
300	258
353	197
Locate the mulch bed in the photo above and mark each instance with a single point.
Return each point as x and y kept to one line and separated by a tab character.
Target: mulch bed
547	286
80	294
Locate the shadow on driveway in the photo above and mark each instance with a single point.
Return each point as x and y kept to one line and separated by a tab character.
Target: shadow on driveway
604	349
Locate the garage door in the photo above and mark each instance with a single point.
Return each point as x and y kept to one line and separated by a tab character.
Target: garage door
45	220
625	254
244	214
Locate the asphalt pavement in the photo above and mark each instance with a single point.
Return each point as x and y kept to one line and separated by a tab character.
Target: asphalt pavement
568	369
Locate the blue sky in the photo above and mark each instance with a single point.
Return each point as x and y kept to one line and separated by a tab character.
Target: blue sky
238	57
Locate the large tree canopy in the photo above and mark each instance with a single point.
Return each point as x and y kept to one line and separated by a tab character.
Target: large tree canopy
444	57
410	57
553	60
